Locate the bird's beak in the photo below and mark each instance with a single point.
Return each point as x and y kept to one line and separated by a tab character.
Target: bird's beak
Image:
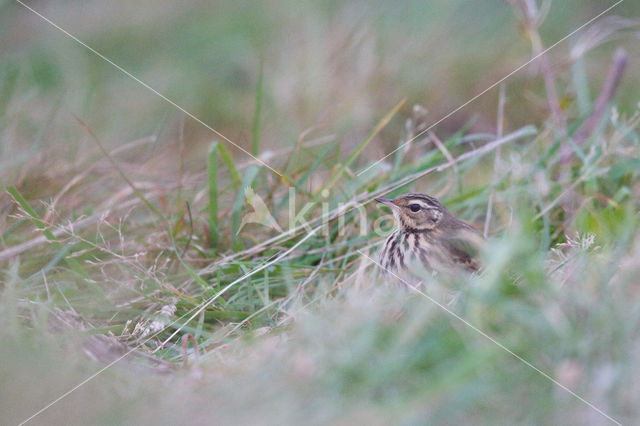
387	201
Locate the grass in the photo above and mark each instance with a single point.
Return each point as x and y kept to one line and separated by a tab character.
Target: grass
140	248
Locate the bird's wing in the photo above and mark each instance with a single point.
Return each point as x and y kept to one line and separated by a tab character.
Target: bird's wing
464	246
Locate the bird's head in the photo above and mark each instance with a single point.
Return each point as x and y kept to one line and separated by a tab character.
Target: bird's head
415	212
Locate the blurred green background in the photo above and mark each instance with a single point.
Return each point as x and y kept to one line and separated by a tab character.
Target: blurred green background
330	66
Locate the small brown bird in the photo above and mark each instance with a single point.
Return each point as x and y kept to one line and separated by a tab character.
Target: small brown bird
428	236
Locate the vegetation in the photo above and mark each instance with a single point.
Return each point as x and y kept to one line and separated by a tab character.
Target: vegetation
137	289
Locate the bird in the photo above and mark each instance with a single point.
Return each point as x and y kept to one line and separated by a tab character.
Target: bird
428	237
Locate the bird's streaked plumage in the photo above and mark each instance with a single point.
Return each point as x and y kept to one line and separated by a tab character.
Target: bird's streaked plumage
428	236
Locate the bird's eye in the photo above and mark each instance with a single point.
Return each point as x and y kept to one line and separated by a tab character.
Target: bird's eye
414	207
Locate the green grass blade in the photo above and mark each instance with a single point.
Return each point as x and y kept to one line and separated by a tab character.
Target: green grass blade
231	165
212	180
72	263
9	79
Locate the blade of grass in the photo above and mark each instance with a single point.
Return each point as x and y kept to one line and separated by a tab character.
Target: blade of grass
212	180
20	200
9	79
228	160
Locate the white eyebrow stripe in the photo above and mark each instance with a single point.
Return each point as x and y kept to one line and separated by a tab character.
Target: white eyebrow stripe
422	203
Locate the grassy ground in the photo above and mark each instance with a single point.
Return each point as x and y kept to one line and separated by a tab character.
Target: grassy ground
122	229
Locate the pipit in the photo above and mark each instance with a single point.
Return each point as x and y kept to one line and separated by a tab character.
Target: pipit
428	236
